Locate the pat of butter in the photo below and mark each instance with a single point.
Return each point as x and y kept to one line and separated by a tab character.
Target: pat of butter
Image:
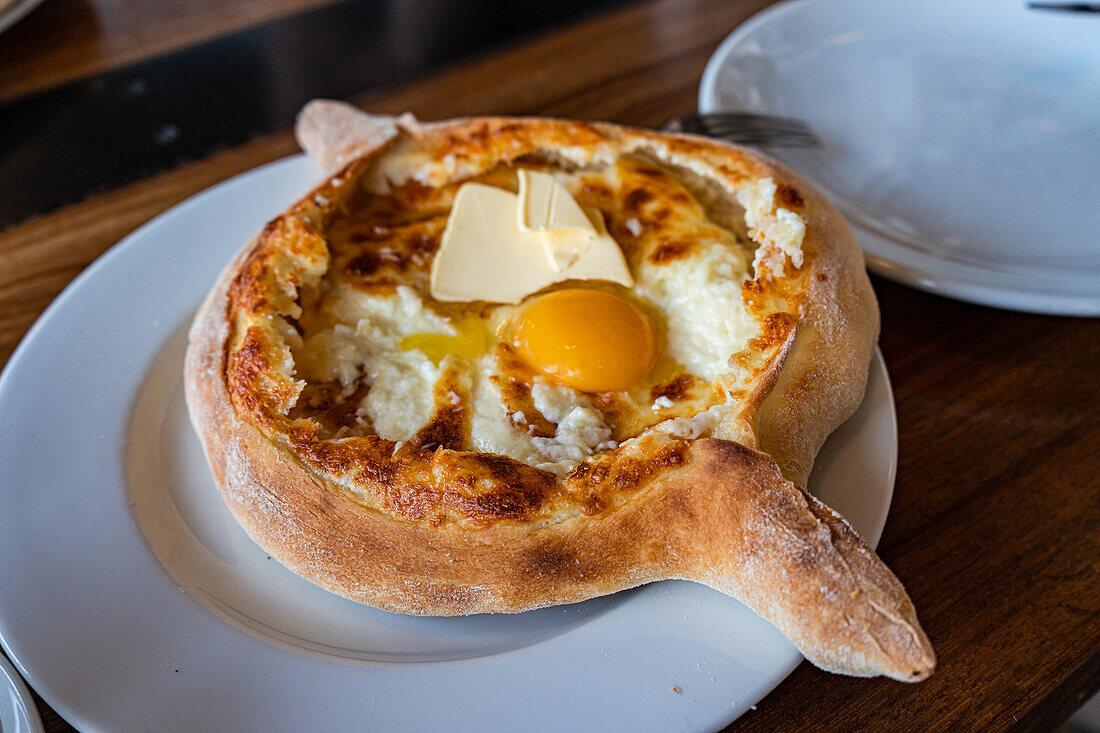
485	254
599	256
546	206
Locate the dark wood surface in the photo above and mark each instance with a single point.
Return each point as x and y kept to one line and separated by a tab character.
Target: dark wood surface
995	525
64	40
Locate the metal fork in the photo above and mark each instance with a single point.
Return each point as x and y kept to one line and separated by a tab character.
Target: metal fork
1070	7
747	128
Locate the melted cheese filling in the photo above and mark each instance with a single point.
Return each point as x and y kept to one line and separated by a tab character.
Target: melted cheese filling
687	269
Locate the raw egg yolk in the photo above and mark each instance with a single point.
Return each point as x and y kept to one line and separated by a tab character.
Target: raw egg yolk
586	339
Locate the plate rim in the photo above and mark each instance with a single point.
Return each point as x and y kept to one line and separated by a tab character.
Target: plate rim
16	13
17	687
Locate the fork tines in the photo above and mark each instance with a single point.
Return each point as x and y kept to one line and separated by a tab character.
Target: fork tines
747	128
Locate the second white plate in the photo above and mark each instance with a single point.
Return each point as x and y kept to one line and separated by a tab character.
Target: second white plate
961	139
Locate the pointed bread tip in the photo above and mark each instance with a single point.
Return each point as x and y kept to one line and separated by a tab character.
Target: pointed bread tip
802	566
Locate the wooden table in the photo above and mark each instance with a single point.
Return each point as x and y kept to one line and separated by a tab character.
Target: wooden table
995	525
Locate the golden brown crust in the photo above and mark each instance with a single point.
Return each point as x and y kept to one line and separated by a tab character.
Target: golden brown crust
816	388
429	528
800	565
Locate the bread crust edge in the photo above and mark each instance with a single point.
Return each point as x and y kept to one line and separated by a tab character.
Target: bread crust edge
323	534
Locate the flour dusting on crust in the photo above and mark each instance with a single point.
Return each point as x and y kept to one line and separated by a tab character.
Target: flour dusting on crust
397	452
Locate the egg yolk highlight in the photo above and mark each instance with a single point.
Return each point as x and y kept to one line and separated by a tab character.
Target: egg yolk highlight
586	339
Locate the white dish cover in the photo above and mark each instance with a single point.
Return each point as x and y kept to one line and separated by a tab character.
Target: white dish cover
102	475
961	139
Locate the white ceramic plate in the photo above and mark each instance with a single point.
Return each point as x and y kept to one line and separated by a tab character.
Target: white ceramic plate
18	713
961	139
133	601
